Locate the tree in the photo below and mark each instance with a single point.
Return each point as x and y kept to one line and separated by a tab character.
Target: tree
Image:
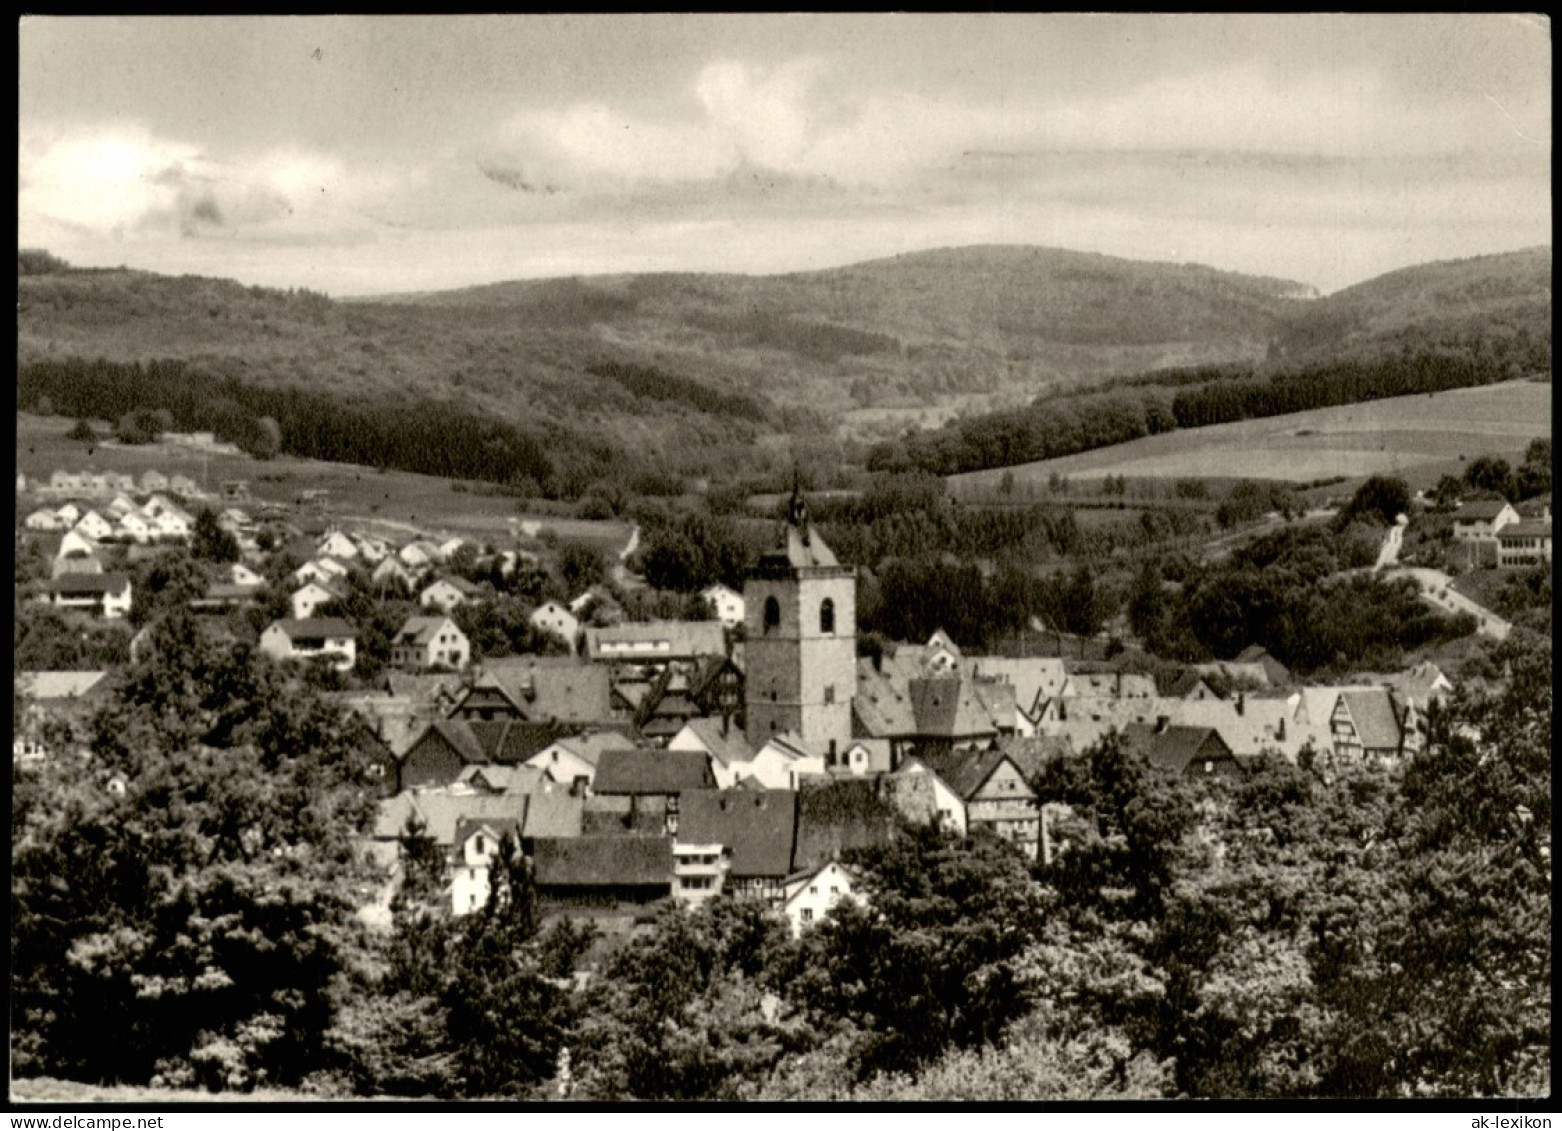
263	440
1488	473
1380	497
1534	474
929	958
84	432
580	567
210	542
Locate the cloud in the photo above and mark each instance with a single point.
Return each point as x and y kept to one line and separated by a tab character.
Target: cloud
123	181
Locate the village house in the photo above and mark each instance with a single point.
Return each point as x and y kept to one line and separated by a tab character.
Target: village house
153	480
1187	751
310	597
335	544
949	806
44	518
573	760
994	791
448	592
477	843
723	743
427	642
779	763
322	571
655	642
331	638
809	896
134	527
733	842
725	603
641	788
1482	519
68	515
119	506
94	526
419	555
391	571
372	550
554	618
1524	543
602	873
240	574
1367	724
75	553
185	487
106	595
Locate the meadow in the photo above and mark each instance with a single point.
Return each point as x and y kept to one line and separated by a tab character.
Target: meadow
395	503
1417	437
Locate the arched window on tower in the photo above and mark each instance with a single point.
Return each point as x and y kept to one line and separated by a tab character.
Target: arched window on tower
772	614
827	617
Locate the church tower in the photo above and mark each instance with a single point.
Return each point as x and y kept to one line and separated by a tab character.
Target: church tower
800	643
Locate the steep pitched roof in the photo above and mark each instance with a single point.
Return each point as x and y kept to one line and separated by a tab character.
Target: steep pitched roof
589	748
1033	677
1377	721
652	772
88	583
1525	528
1480	510
964	771
554	812
951	708
422	630
578	694
496	826
880	709
603	861
1174	747
503	778
725	748
441	811
757	827
51	685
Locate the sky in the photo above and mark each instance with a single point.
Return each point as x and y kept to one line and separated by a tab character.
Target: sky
375	154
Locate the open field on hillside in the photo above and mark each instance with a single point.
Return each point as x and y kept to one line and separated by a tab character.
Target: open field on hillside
1420	437
397	502
46	1090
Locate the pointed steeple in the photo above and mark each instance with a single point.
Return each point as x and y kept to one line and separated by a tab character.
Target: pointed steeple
797	509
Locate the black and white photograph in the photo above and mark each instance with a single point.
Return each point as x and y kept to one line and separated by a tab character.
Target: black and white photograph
782	558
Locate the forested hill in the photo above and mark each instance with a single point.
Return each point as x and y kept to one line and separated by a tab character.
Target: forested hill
1424	329
1455	299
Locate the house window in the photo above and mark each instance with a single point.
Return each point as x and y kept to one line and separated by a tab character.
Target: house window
480	844
813	889
829	693
834	890
1209	767
808	914
772	613
827	617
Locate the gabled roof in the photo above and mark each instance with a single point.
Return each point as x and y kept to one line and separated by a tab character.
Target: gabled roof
553	811
460	584
501	778
443	811
1033	755
880	709
757	827
423	630
494	826
603	861
953	708
88	583
1481	510
965	771
725	748
314	626
651	772
49	685
580	693
1376	719
589	748
1033	677
800	548
1174	747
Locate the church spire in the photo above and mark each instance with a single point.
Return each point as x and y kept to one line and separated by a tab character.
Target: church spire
797	509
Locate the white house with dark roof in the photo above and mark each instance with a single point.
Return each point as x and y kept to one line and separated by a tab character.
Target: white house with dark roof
429	642
337	545
135	527
448	592
94	526
1522	543
44	518
307	599
103	594
810	895
727	604
331	638
554	618
1480	520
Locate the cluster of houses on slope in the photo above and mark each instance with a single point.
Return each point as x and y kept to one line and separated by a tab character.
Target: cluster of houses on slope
1504	535
706	756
